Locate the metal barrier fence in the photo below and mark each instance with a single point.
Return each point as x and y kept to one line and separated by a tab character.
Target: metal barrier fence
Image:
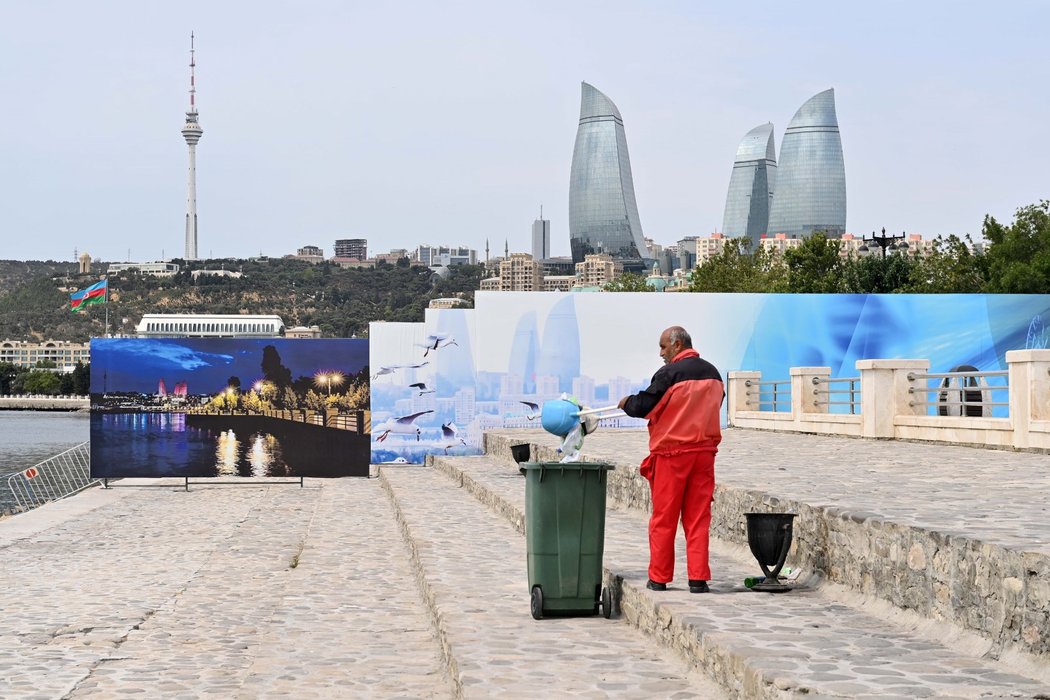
63	475
960	393
851	391
769	394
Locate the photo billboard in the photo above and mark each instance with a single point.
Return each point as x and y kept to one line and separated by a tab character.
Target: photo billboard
229	407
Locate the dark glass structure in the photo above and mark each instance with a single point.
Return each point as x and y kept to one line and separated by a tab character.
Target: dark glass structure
603	214
751	186
811	177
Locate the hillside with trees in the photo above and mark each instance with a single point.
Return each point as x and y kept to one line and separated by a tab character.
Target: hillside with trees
34	296
342	302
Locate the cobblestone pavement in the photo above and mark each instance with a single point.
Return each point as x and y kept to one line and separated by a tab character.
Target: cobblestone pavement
253	591
994	496
802	642
277	591
475	566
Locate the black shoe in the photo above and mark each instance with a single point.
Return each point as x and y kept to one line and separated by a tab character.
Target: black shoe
698	586
654	586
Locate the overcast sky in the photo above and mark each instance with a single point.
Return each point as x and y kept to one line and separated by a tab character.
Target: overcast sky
453	122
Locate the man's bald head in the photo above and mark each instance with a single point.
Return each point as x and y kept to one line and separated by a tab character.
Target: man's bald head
673	341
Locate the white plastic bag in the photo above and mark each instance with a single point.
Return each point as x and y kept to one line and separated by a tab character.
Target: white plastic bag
572	444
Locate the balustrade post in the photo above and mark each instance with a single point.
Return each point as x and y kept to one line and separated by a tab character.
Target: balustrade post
884	394
803	397
736	392
1029	382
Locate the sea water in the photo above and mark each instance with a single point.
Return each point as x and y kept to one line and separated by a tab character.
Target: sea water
29	437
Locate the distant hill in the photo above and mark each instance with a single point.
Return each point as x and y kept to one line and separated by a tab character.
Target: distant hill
34	296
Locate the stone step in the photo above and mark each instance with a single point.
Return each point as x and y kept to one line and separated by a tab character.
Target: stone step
758	645
471	565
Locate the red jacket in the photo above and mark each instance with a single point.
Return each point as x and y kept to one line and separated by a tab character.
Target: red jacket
682	404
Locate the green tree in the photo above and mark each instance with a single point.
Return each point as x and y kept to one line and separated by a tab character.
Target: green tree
1018	258
8	372
951	267
877	274
814	267
82	379
65	384
628	282
40	382
737	269
462	281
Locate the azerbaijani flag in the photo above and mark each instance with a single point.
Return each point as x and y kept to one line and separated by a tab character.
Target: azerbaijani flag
95	294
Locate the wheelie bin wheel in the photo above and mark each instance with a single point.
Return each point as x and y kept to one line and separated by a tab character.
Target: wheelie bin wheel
606	604
536	604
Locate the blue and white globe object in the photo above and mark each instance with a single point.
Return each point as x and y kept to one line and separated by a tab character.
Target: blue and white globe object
558	416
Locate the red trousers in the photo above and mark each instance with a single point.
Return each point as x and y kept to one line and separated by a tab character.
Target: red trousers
682	487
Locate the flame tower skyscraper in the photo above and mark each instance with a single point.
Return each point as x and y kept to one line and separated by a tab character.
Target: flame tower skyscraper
192	132
603	213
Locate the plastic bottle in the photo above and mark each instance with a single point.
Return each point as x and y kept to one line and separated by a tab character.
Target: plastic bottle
750	581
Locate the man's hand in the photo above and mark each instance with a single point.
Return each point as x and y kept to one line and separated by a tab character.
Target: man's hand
623	401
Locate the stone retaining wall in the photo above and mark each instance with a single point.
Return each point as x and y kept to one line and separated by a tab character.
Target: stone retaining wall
22	403
1000	593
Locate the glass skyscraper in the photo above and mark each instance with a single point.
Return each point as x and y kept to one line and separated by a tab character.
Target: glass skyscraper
811	177
603	214
751	186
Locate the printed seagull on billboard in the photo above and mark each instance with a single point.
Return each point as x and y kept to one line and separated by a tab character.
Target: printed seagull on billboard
449	431
534	410
437	340
390	369
404	425
422	386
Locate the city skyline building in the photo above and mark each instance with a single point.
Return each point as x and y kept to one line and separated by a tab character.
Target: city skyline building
356	248
192	132
444	256
541	238
751	186
811	176
603	212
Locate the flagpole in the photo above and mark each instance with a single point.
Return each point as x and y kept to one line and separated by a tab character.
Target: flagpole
106	304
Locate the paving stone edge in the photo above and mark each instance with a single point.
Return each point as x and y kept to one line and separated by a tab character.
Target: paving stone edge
429	597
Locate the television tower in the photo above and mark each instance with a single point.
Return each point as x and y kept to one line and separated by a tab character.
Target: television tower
192	132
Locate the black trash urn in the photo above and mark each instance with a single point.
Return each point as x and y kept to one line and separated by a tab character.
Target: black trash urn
769	537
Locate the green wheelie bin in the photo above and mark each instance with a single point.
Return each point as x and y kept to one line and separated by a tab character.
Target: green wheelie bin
565	537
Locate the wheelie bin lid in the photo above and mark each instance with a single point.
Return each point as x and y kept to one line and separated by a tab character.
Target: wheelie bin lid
566	466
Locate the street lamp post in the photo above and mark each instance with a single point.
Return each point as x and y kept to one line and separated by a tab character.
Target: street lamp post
329	378
884	242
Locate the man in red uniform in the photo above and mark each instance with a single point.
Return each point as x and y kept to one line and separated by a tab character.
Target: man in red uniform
682	404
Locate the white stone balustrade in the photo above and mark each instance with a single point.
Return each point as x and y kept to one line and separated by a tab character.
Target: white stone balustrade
889	410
